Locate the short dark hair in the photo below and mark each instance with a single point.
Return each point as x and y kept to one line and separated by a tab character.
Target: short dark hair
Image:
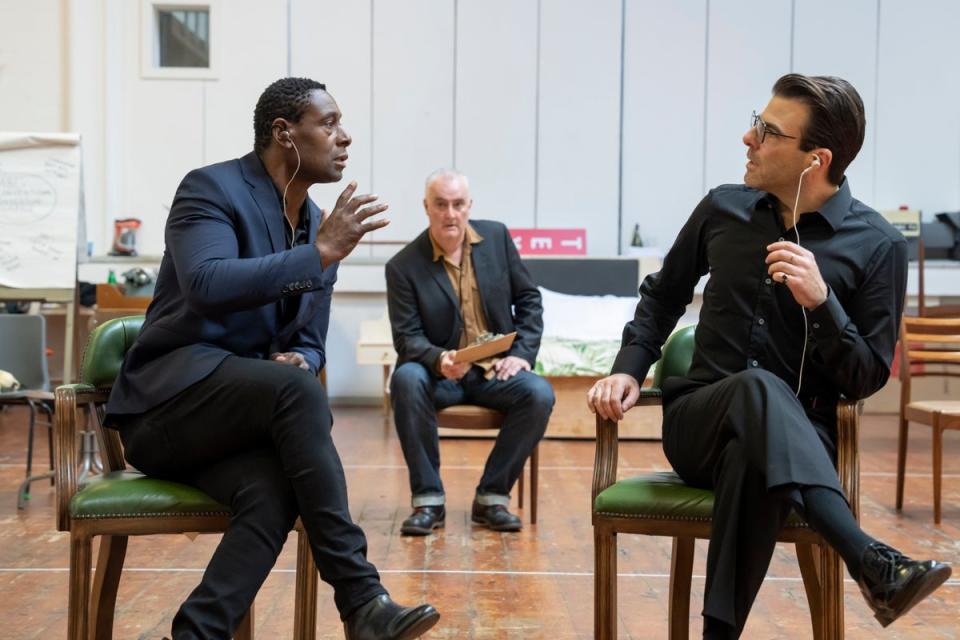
286	98
836	122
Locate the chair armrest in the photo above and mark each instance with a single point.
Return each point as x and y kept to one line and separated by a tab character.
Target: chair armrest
68	419
607	452
649	397
848	451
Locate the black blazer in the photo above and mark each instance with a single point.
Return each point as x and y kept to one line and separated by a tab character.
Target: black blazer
224	271
424	312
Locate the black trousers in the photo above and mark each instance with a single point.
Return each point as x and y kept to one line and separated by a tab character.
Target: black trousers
255	435
749	439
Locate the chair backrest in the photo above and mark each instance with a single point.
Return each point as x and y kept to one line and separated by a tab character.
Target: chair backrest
23	349
677	355
928	347
105	349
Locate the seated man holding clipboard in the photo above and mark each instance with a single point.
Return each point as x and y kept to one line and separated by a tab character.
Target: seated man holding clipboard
451	287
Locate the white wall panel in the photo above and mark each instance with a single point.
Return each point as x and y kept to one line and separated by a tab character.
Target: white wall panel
331	42
413	67
496	102
87	106
346	380
157	137
664	74
844	45
31	96
918	129
579	135
253	53
748	49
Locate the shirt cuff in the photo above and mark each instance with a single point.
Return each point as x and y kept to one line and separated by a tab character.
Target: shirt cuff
632	360
436	365
829	319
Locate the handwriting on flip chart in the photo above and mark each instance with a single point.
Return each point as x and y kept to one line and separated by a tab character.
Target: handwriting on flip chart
40	208
25	198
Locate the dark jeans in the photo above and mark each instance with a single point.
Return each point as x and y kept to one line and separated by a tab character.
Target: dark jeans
749	439
416	394
255	435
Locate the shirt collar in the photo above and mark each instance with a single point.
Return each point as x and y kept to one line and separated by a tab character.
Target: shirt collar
834	210
471	236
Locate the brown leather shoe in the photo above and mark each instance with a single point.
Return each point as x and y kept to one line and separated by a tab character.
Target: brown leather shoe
892	583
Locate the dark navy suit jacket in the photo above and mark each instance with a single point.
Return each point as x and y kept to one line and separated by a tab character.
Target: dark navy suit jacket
425	313
225	270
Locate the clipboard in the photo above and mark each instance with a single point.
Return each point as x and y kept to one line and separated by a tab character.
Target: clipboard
485	349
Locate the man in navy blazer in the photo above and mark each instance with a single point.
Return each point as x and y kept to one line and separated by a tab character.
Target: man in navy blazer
457	281
220	390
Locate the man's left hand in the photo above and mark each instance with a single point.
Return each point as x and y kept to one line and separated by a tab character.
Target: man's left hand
510	366
291	357
790	264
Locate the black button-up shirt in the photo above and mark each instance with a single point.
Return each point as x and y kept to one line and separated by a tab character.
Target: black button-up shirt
293	237
749	321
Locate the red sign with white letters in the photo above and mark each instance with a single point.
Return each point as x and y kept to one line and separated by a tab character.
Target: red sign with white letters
550	242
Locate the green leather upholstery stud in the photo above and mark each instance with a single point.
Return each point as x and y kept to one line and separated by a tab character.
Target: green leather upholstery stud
128	494
660	494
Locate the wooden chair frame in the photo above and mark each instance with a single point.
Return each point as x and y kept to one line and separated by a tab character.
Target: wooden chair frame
91	605
820	565
929	347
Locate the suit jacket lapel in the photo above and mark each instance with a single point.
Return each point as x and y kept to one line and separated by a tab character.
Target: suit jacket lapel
264	194
483	270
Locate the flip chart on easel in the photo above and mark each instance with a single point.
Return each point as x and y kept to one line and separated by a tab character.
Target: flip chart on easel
41	210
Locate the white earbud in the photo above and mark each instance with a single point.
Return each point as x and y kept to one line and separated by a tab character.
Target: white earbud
816	161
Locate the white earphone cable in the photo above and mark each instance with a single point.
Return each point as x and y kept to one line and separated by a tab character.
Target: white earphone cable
290	181
803	354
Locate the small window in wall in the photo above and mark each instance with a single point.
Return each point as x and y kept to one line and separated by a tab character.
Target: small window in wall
177	39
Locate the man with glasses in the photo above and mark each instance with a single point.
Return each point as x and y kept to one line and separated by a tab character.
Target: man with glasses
802	306
455	282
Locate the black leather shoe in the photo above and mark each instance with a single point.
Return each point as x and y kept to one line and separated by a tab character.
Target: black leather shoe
383	619
892	583
423	521
495	517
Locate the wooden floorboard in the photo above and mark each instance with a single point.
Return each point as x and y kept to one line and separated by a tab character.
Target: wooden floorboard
537	583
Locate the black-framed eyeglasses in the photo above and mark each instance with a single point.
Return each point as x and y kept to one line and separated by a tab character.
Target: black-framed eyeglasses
763	129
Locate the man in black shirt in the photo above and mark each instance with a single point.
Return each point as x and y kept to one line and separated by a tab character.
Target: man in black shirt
802	305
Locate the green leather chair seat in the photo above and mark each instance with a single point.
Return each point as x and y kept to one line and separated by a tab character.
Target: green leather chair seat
661	495
128	494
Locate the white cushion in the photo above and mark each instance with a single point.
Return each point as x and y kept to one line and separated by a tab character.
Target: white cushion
585	317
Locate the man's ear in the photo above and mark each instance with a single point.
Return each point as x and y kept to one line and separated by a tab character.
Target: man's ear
826	157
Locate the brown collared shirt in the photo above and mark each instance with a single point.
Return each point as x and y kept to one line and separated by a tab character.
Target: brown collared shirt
464	281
